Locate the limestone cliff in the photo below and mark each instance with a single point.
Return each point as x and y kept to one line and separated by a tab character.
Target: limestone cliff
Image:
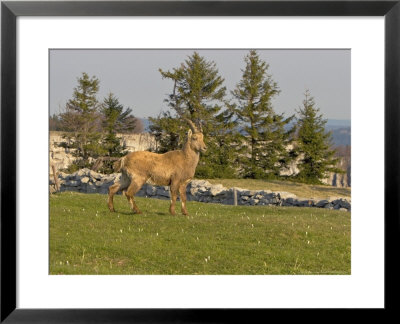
61	157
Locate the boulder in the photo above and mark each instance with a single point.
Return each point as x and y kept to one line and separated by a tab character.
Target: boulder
99	183
81	173
163	192
72	183
274	201
194	191
286	195
91	188
106	185
151	190
322	203
247	192
258	196
108	179
254	201
62	175
200	183
141	193
95	175
218	189
289	202
343	203
85	180
305	203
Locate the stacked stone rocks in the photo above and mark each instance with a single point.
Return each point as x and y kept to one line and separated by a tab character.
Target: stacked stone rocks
88	181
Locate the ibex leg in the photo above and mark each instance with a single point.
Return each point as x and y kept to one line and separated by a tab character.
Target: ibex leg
182	194
174	195
112	190
133	188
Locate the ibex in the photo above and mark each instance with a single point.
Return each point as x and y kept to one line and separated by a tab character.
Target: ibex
174	169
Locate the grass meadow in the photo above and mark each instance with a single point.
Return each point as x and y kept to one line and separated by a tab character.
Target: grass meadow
85	238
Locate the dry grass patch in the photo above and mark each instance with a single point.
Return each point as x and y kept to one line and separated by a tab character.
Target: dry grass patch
299	189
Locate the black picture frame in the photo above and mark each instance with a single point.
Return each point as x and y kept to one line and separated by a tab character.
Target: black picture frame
10	10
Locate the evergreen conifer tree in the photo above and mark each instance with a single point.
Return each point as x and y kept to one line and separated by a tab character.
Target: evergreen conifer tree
167	130
265	135
81	120
199	95
116	119
314	144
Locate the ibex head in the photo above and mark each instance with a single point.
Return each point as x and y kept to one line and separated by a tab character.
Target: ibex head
195	137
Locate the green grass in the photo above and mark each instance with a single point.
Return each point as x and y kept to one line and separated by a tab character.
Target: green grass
85	238
299	189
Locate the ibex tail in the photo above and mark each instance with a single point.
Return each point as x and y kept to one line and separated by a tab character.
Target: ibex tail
117	166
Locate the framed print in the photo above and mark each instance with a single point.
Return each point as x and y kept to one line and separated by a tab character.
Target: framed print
77	260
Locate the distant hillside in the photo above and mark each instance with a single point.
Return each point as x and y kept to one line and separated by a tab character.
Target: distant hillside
341	136
338	123
341	131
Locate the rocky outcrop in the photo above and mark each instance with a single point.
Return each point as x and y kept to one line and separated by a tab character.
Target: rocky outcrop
88	181
63	157
138	142
341	180
60	156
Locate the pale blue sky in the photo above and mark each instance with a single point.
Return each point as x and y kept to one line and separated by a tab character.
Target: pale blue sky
133	76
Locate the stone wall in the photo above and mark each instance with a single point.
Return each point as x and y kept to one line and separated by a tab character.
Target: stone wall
88	181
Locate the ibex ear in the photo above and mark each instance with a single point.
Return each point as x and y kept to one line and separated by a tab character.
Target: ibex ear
190	133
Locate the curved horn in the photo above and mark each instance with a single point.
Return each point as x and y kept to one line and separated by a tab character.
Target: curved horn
191	125
200	127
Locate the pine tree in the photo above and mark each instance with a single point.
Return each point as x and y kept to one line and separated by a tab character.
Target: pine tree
168	131
264	135
314	144
198	92
221	158
81	120
55	123
199	95
116	119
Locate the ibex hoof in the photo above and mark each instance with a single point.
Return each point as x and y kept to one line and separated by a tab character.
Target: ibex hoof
112	210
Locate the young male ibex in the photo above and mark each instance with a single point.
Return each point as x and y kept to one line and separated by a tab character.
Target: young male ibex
174	169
